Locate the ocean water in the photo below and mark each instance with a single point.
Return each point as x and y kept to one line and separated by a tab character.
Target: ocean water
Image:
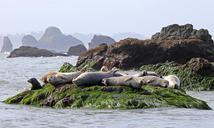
16	71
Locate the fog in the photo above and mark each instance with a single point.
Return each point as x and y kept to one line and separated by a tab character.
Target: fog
103	16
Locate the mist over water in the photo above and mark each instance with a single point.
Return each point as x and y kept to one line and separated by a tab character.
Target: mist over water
15	72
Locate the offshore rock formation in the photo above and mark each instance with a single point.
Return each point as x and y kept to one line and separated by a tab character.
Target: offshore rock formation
29	40
174	43
100	39
26	51
76	50
7	45
105	97
54	39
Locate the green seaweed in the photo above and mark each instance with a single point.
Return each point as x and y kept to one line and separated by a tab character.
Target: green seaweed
189	79
67	67
107	97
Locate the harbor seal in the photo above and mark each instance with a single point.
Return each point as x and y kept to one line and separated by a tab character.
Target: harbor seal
58	78
154	81
174	81
135	81
35	85
122	81
94	78
147	73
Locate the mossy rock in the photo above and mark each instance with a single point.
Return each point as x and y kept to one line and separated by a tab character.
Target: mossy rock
189	79
67	67
107	97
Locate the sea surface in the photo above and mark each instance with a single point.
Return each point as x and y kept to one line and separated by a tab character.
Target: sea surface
16	71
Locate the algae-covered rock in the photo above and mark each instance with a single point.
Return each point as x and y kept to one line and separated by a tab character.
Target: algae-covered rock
67	67
107	97
194	75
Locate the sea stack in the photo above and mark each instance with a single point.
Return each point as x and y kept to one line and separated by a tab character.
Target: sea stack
29	40
100	39
76	50
7	45
54	40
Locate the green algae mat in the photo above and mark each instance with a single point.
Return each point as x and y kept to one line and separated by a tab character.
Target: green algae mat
107	97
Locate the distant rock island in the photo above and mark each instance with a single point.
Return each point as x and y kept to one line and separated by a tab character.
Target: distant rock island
100	39
7	45
76	50
29	40
26	51
178	43
53	39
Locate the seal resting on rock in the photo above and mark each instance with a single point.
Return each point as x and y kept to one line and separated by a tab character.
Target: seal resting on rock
35	85
174	81
94	78
147	73
154	81
135	81
58	78
122	81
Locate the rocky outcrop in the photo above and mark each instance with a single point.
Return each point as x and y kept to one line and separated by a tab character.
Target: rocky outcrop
76	50
26	51
174	43
54	39
100	39
29	40
7	45
105	97
197	74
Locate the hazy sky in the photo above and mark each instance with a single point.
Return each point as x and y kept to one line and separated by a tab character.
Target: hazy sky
103	16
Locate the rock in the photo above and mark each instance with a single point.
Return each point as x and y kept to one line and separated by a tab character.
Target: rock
197	74
26	51
29	40
7	45
76	50
107	97
54	39
67	67
174	43
100	39
93	58
200	66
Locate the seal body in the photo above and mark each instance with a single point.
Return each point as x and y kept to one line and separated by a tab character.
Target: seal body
135	81
174	81
57	78
35	85
154	81
122	81
93	78
146	73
